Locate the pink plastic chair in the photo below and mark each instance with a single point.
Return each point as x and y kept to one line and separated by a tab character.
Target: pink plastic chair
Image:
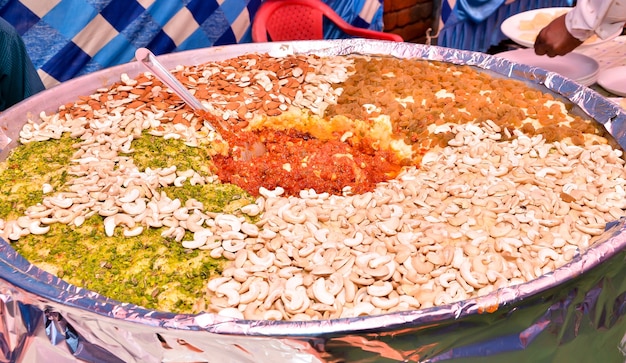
285	20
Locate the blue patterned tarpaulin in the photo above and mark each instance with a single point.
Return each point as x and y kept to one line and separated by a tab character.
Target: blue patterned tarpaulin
70	38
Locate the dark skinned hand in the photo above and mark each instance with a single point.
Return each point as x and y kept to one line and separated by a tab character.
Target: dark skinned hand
555	40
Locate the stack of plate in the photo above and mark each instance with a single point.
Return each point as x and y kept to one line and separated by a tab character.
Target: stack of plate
574	66
614	80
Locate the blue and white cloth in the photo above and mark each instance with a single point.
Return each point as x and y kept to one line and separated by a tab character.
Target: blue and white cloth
70	38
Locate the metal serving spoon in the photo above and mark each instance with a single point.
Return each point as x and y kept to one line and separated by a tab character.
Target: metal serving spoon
148	59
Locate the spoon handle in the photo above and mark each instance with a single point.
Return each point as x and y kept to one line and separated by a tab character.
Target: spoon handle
148	59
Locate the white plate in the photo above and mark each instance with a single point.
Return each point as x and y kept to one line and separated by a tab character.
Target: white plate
614	80
575	66
526	37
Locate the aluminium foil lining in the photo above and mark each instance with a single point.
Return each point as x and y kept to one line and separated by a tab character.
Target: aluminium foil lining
574	314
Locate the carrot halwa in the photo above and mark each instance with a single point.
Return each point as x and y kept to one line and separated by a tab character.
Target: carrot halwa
298	161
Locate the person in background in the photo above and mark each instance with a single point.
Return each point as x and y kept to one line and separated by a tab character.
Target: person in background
587	17
18	76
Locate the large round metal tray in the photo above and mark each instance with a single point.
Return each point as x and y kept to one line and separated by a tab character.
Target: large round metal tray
556	317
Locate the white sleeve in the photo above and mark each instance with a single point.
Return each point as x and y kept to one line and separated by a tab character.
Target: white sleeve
601	17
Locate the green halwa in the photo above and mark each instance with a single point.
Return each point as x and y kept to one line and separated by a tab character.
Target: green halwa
148	270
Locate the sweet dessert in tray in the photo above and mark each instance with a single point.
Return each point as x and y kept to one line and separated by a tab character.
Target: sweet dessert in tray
343	186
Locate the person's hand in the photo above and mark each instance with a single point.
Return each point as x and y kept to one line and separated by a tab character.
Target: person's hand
554	39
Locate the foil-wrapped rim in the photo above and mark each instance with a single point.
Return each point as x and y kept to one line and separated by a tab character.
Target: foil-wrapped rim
36	282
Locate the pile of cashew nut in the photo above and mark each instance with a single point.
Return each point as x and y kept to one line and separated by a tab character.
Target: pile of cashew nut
478	215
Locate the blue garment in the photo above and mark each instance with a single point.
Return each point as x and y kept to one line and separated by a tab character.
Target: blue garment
350	11
476	10
18	76
480	36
